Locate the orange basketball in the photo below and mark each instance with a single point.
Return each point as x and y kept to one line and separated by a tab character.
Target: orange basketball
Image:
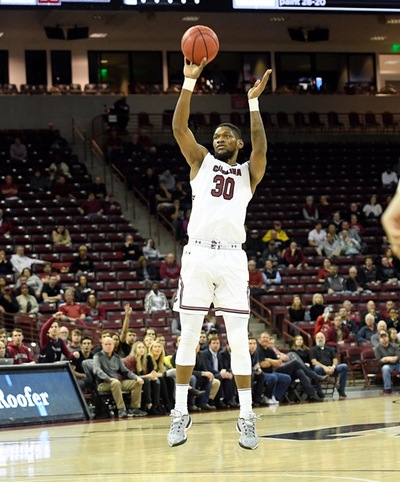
198	42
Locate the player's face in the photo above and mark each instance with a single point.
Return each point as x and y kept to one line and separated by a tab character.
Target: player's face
225	144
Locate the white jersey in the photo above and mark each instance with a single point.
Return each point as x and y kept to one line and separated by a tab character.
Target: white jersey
220	195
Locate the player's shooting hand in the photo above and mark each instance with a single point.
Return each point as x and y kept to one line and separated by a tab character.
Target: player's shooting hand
192	70
259	86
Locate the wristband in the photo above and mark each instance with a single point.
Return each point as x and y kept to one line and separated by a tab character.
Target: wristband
188	84
253	105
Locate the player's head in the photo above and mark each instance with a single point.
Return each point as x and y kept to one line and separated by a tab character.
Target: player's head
227	140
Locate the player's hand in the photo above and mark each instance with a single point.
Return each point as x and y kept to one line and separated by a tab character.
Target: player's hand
391	224
192	70
259	86
128	309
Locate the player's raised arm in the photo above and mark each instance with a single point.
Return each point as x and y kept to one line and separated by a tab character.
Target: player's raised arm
193	152
258	156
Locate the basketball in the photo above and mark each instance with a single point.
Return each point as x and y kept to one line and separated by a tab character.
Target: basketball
198	42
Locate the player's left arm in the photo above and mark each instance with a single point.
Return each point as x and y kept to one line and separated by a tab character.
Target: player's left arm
258	156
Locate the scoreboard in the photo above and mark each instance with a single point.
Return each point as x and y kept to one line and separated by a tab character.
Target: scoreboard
320	5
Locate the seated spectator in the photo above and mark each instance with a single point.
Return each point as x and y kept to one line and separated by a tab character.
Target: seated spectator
94	311
70	310
392	320
365	333
6	268
85	353
317	307
39	183
82	263
52	347
254	246
297	310
62	190
324	208
338	334
149	186
131	251
155	300
112	207
17	350
351	314
387	274
301	350
61	236
52	293
279	235
117	344
27	303
348	321
324	322
271	276
82	289
151	252
163	198
47	272
147	272
325	362
392	260
373	209
256	280
336	221
356	227
60	166
368	272
348	245
274	254
325	271
310	211
136	362
330	247
370	308
316	237
32	280
5	226
388	355
108	368
355	209
155	361
353	283
20	261
91	207
394	336
170	269
9	190
294	257
8	303
389	178
386	309
168	179
381	326
334	283
18	150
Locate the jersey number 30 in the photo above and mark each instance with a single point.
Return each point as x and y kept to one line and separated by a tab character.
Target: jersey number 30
224	187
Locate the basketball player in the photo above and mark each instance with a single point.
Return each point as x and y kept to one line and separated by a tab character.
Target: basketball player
214	266
391	223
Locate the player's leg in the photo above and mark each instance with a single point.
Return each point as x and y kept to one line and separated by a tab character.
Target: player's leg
237	331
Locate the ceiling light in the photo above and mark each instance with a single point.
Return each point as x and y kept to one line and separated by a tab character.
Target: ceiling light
98	35
392	21
378	38
1	34
190	18
278	19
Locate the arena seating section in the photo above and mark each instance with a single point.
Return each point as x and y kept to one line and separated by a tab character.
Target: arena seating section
345	172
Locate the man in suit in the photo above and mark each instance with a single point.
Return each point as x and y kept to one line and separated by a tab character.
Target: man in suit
213	363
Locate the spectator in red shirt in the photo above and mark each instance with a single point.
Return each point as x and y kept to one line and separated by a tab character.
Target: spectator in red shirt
294	256
112	206
92	206
325	270
170	269
256	280
72	312
9	189
324	322
338	334
18	350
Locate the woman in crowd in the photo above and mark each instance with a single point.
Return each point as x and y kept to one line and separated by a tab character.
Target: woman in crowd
61	236
301	350
136	361
297	310
155	362
151	252
82	289
94	311
318	307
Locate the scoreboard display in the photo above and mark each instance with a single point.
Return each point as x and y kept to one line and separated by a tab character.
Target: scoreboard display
320	5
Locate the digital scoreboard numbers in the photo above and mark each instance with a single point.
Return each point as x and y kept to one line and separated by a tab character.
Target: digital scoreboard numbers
320	5
46	3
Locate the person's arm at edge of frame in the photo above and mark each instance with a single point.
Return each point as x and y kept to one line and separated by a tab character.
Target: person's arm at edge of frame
193	152
125	325
258	156
391	222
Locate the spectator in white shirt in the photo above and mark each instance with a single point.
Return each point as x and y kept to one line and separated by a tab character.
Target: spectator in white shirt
389	178
19	261
316	236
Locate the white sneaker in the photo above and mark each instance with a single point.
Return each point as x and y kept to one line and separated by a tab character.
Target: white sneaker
247	429
177	432
274	400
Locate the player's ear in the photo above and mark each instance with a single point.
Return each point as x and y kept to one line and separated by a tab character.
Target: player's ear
240	144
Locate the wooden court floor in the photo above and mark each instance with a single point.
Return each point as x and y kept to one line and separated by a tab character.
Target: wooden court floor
353	440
